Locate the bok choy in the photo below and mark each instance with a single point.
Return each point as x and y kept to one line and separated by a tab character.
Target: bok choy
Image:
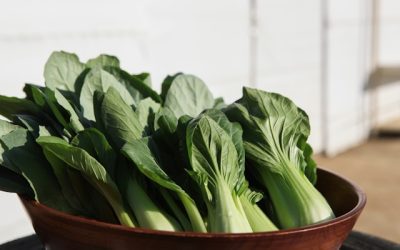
98	141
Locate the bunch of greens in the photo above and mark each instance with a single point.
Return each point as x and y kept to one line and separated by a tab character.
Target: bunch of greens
99	142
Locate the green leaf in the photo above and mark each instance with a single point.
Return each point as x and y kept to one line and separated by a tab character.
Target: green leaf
93	171
103	60
219	103
33	126
27	159
166	121
14	183
58	112
141	153
6	127
60	170
12	105
74	119
273	126
258	220
212	153
136	86
188	95
215	167
145	78
235	131
166	84
62	70
101	80
146	111
35	94
96	144
275	131
120	122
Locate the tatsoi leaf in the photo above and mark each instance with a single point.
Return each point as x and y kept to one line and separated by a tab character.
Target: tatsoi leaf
94	172
27	159
146	111
96	144
188	95
140	153
101	80
62	70
215	167
12	105
14	183
103	60
137	88
119	120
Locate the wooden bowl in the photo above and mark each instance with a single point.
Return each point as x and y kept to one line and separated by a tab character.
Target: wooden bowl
60	231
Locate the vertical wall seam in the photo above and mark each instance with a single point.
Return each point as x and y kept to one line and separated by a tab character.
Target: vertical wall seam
253	42
324	95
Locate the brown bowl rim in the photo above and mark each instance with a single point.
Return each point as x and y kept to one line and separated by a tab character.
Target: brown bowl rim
360	205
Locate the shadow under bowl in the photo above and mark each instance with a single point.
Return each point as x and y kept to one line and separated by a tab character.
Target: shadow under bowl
61	231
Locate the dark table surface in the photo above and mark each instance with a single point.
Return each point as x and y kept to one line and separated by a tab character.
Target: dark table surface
355	241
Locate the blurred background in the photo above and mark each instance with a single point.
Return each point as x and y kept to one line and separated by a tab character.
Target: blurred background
337	59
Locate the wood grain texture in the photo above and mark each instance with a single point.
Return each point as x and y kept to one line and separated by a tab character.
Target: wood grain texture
60	231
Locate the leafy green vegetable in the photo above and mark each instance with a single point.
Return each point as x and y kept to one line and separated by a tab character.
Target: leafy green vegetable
14	183
140	152
134	84
215	167
97	141
25	158
103	60
96	144
145	78
118	119
147	212
273	126
62	70
12	105
33	126
146	112
101	80
92	170
258	220
187	95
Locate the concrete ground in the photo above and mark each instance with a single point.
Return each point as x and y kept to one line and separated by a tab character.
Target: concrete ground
375	167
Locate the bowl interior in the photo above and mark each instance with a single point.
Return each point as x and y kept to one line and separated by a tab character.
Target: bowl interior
342	195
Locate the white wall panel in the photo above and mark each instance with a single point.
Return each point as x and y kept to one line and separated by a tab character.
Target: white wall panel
289	55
